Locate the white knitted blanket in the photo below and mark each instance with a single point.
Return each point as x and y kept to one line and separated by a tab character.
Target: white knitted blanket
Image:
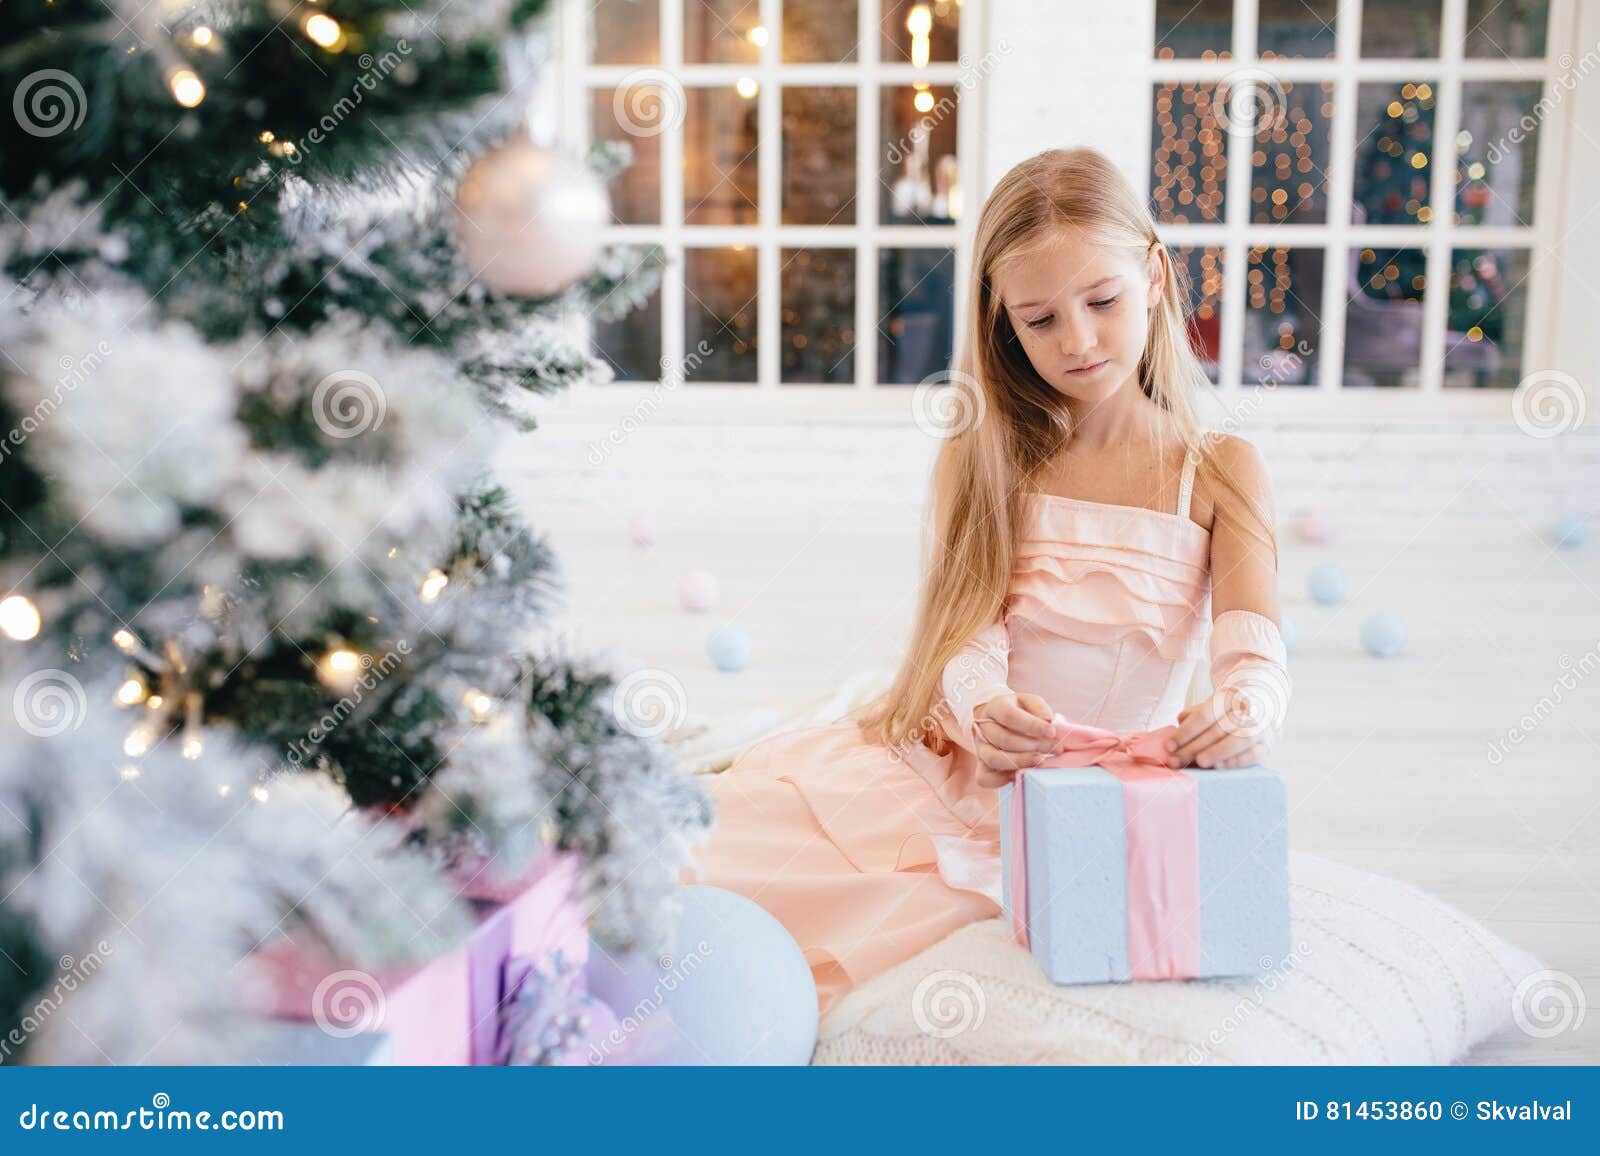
1379	973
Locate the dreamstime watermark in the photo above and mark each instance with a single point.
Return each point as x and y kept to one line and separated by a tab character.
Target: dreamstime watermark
947	1003
74	973
1276	971
1562	84
1548	403
74	372
1248	101
49	702
1547	1003
649	703
1574	671
675	971
348	1003
49	102
348	403
948	403
373	672
649	102
968	77
374	70
672	376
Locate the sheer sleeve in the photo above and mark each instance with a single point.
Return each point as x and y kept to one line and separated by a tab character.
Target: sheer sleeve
974	676
1248	655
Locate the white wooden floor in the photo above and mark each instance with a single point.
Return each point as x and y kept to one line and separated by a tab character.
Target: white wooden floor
1386	761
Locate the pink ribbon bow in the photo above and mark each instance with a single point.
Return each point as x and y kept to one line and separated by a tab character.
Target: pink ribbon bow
1162	830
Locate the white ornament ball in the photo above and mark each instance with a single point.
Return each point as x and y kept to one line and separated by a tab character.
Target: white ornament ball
642	530
699	590
529	220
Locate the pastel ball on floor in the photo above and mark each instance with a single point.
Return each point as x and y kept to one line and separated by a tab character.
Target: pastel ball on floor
1326	583
729	647
699	590
733	988
1383	635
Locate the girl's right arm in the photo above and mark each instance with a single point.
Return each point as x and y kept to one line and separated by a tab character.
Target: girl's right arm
1005	730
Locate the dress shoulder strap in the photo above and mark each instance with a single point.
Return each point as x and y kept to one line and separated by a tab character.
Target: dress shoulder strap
1186	487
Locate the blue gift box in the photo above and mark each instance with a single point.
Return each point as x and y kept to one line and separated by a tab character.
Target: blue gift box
1077	871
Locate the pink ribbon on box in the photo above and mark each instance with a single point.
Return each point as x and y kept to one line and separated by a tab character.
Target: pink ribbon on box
1161	824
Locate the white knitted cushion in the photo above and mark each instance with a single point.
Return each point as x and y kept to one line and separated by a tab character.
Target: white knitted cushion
1379	973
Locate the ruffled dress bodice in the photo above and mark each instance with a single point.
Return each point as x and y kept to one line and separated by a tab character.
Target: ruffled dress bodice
1109	611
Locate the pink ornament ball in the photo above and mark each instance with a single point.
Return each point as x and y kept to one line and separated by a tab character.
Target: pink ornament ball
699	590
1313	526
642	530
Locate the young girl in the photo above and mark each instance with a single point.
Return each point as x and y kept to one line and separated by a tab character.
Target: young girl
1084	530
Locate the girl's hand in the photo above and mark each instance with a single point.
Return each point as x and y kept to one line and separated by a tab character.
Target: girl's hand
1232	728
1013	731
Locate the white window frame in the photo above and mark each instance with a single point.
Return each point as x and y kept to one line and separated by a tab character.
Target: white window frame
1237	234
866	237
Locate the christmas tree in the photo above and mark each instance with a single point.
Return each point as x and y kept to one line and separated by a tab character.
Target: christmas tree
277	275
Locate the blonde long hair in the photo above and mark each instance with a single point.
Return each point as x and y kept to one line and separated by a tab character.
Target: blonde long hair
1016	423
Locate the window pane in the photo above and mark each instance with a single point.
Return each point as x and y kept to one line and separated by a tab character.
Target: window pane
1283	316
1394	124
819	315
636	192
1296	28
916	312
719	307
918	167
1190	167
722	32
819	31
1186	29
625	31
1200	276
1513	29
1498	153
720	171
632	344
1291	155
819	156
1400	28
1383	317
920	30
1488	310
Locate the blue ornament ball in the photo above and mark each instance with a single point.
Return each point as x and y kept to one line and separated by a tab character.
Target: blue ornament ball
1383	635
729	646
733	988
1570	532
1290	633
1326	583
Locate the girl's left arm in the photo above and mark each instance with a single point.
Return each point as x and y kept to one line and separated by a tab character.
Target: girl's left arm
1249	664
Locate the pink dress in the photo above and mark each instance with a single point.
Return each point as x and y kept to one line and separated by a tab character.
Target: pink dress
869	854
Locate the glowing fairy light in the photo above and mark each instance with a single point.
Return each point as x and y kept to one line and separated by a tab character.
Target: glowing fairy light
323	30
131	692
19	618
433	585
186	86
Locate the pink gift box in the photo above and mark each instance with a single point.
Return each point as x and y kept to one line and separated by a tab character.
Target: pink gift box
448	1010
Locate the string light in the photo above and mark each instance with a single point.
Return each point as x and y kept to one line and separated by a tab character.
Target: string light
202	37
186	87
323	31
758	36
433	585
338	668
138	740
19	618
132	692
128	772
480	704
747	87
258	793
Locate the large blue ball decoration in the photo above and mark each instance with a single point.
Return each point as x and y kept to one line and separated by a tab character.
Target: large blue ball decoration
1326	583
1383	635
729	646
732	988
1570	532
1289	632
